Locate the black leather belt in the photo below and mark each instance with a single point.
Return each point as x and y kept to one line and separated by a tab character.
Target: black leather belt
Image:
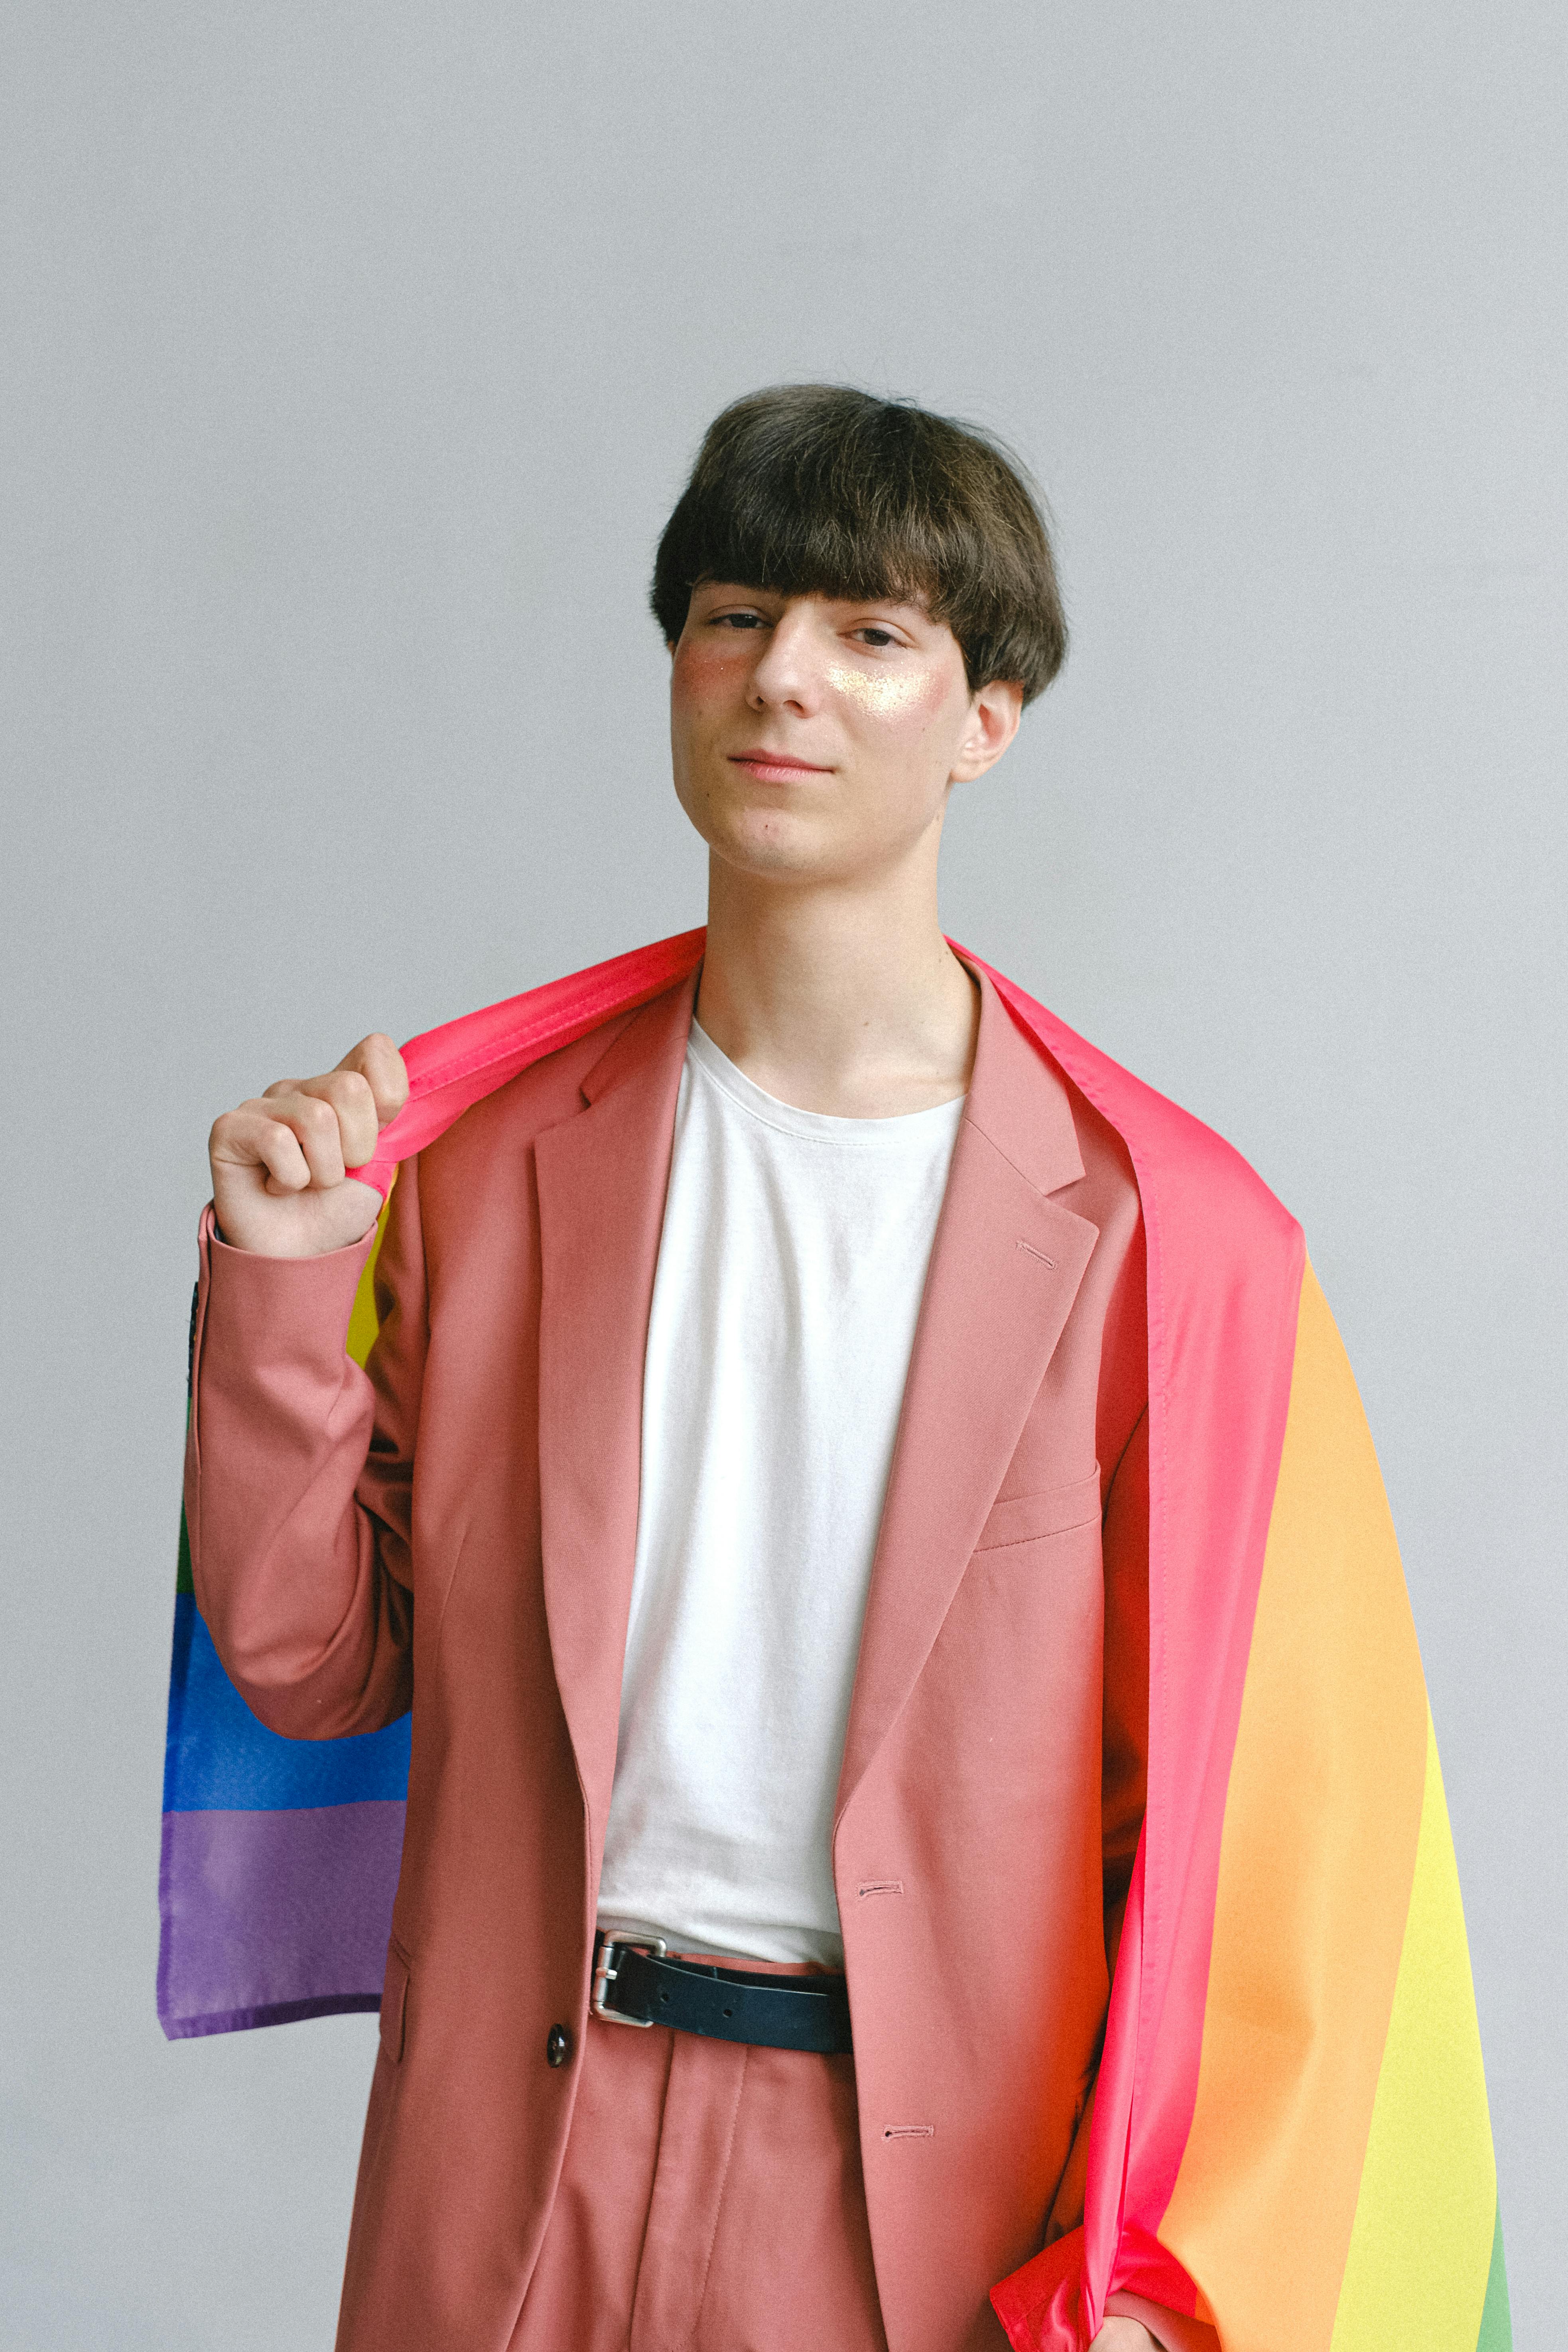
635	1984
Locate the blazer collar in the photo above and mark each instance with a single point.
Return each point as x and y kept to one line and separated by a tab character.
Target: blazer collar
1005	1269
1018	1100
602	1179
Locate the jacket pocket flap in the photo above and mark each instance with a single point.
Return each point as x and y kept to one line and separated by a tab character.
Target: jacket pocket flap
1024	1516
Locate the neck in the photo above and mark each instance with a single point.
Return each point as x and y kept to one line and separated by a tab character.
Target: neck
842	1000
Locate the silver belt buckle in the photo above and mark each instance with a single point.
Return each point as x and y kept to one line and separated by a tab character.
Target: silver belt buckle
606	1972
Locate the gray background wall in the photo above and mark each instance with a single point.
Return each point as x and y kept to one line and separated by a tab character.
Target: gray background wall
352	356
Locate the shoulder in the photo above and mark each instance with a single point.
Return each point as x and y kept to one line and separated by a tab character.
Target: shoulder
1173	1151
1198	1193
487	1150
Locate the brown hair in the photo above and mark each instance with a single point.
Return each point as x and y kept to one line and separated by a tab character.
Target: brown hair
819	489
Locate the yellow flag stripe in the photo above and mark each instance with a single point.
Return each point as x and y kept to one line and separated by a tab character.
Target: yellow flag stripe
1421	2250
361	1320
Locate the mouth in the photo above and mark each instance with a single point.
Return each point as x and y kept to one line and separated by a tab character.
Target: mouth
776	767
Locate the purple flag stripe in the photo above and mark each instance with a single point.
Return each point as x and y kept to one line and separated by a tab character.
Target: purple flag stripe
277	2012
274	1916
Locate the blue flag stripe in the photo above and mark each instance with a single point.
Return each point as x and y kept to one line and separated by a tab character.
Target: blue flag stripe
218	1757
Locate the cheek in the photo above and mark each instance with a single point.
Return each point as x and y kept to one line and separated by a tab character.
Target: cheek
704	672
904	705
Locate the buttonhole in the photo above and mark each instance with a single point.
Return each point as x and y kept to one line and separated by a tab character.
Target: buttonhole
908	2131
1039	1254
881	1886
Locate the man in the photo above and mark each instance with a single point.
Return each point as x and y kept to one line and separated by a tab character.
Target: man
750	1497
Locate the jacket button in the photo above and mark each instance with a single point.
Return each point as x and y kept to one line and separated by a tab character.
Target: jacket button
557	2045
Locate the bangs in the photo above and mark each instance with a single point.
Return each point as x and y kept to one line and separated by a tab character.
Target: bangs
817	490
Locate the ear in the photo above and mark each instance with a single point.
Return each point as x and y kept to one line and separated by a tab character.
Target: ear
994	711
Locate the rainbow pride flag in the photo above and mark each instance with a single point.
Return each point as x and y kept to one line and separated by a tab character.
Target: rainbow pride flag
1290	2137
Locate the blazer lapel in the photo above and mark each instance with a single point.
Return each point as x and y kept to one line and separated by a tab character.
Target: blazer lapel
602	1183
1005	1269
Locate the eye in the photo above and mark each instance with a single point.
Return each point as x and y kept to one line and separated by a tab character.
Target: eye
737	620
872	634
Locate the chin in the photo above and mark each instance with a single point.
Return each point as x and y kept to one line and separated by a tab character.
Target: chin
775	861
771	844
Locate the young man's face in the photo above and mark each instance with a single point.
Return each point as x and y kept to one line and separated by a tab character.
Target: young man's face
816	738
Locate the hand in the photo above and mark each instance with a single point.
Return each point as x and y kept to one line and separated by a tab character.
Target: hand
1122	2334
280	1162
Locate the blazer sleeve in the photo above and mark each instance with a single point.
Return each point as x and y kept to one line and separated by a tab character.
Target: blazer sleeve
298	1475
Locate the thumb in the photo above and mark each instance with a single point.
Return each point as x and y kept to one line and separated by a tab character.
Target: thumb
378	1061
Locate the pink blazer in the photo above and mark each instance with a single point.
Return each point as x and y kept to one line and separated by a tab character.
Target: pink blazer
456	1532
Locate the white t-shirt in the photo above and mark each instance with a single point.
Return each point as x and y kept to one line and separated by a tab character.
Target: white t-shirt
790	1270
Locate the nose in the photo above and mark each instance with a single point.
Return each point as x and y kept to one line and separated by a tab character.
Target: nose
790	674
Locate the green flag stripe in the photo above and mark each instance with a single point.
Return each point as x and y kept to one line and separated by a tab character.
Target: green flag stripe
1496	2328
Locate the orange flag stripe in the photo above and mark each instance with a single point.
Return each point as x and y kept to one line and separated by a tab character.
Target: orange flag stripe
1317	1861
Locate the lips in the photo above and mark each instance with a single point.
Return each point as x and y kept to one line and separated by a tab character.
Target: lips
775	763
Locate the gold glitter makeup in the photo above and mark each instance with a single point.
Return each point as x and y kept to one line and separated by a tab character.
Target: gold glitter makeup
882	693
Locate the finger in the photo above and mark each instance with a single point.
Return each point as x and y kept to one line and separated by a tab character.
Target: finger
349	1093
251	1138
313	1122
378	1061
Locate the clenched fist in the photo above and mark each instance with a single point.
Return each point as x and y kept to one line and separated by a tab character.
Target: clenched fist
282	1163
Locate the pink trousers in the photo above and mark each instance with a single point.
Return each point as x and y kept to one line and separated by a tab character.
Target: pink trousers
711	2200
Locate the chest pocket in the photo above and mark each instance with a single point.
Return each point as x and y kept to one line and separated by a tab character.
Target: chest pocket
1023	1518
